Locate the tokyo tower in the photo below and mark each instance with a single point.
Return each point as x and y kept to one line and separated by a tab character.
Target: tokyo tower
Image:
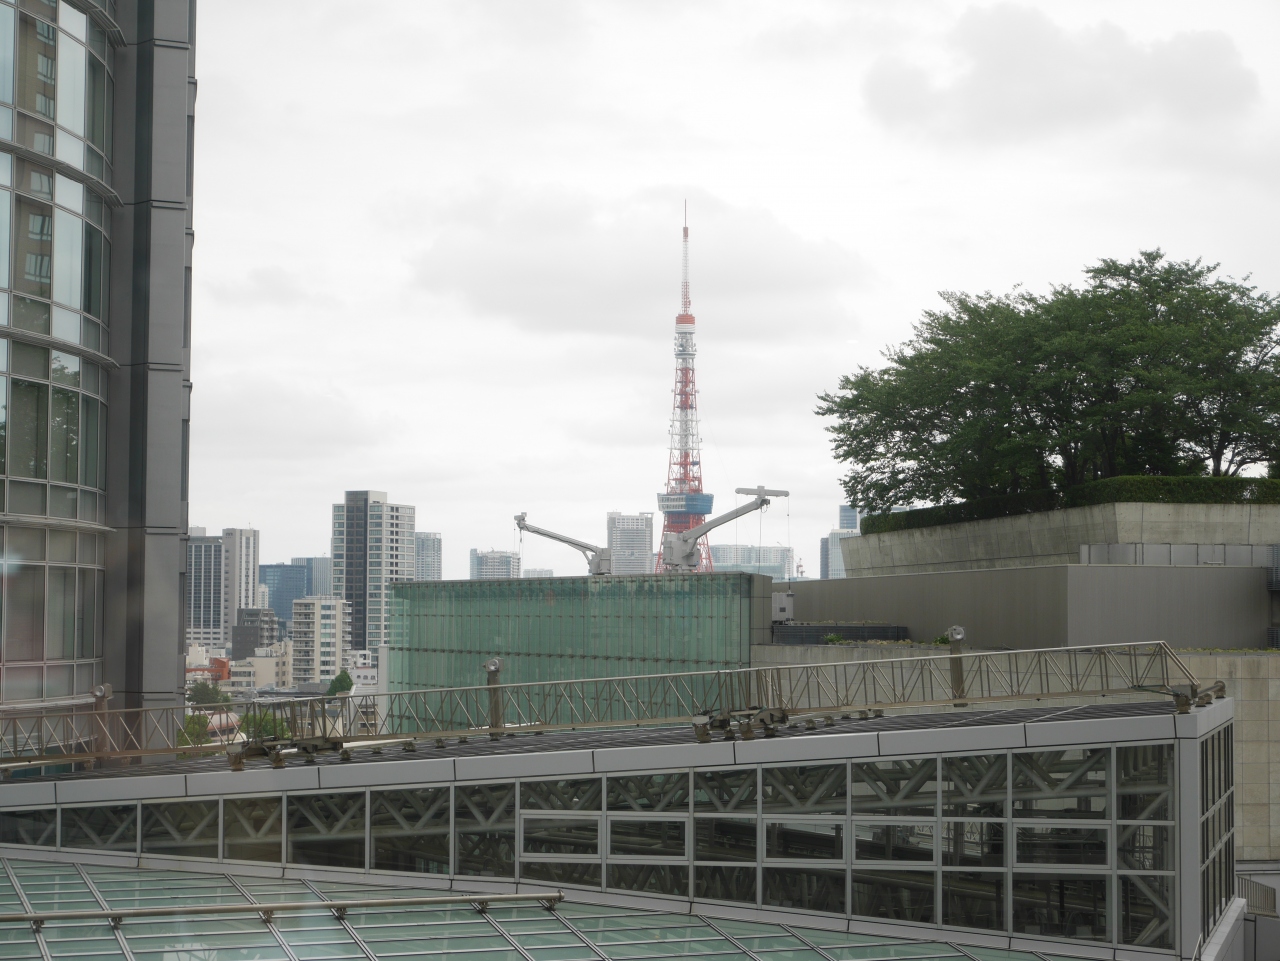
684	505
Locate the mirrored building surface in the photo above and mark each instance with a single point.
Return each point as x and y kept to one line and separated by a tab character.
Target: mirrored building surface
95	265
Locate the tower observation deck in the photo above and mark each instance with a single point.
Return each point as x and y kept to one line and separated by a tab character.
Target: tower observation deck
683	504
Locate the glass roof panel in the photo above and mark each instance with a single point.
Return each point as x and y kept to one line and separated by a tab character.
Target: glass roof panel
563	954
197	952
756	943
999	954
453	931
325	952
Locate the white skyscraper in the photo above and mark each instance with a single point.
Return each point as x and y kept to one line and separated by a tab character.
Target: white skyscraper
240	566
428	556
832	559
321	634
777	562
630	542
372	548
494	565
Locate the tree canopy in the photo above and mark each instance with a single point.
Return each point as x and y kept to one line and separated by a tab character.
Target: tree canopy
1150	367
340	684
207	692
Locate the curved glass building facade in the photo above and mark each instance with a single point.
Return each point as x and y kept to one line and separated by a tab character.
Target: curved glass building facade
76	473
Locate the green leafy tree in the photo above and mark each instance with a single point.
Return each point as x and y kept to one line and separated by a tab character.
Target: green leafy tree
1152	367
340	685
207	692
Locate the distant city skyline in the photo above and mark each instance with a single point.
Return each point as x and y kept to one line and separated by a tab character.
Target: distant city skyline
870	204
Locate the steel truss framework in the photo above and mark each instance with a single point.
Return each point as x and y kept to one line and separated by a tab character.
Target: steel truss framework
751	700
1067	843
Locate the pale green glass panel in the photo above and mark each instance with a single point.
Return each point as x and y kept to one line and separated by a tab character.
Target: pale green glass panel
6	217
6	54
68	258
71	77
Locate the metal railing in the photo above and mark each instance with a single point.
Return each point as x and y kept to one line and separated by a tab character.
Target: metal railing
1259	898
751	698
268	909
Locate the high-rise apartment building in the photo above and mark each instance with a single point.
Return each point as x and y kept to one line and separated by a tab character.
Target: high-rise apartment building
494	565
285	583
777	562
428	556
240	574
204	590
319	579
322	632
96	231
372	548
222	580
254	628
630	542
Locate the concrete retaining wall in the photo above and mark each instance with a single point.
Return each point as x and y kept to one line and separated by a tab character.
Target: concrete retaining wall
1056	606
1054	537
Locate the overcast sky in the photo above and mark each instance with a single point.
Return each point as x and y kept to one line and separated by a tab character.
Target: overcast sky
438	244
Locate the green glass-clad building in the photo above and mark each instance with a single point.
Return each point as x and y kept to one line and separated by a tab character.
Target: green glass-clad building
563	628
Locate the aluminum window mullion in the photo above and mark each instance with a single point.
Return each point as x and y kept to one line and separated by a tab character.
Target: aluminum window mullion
579	935
102	903
510	940
345	925
731	939
1113	875
26	906
937	840
812	946
517	856
760	840
284	945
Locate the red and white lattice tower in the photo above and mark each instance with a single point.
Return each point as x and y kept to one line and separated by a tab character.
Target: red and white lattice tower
684	505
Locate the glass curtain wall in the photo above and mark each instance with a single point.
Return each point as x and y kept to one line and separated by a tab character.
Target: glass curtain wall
56	91
568	627
1075	843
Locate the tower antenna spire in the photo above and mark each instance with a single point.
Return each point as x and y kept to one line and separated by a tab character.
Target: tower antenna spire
684	505
685	303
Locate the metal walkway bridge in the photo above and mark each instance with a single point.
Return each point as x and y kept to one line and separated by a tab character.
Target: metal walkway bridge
748	702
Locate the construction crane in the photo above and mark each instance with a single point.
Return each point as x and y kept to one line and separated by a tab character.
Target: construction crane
680	551
599	560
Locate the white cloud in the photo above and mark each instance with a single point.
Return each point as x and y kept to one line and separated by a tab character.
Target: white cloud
1010	73
556	259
